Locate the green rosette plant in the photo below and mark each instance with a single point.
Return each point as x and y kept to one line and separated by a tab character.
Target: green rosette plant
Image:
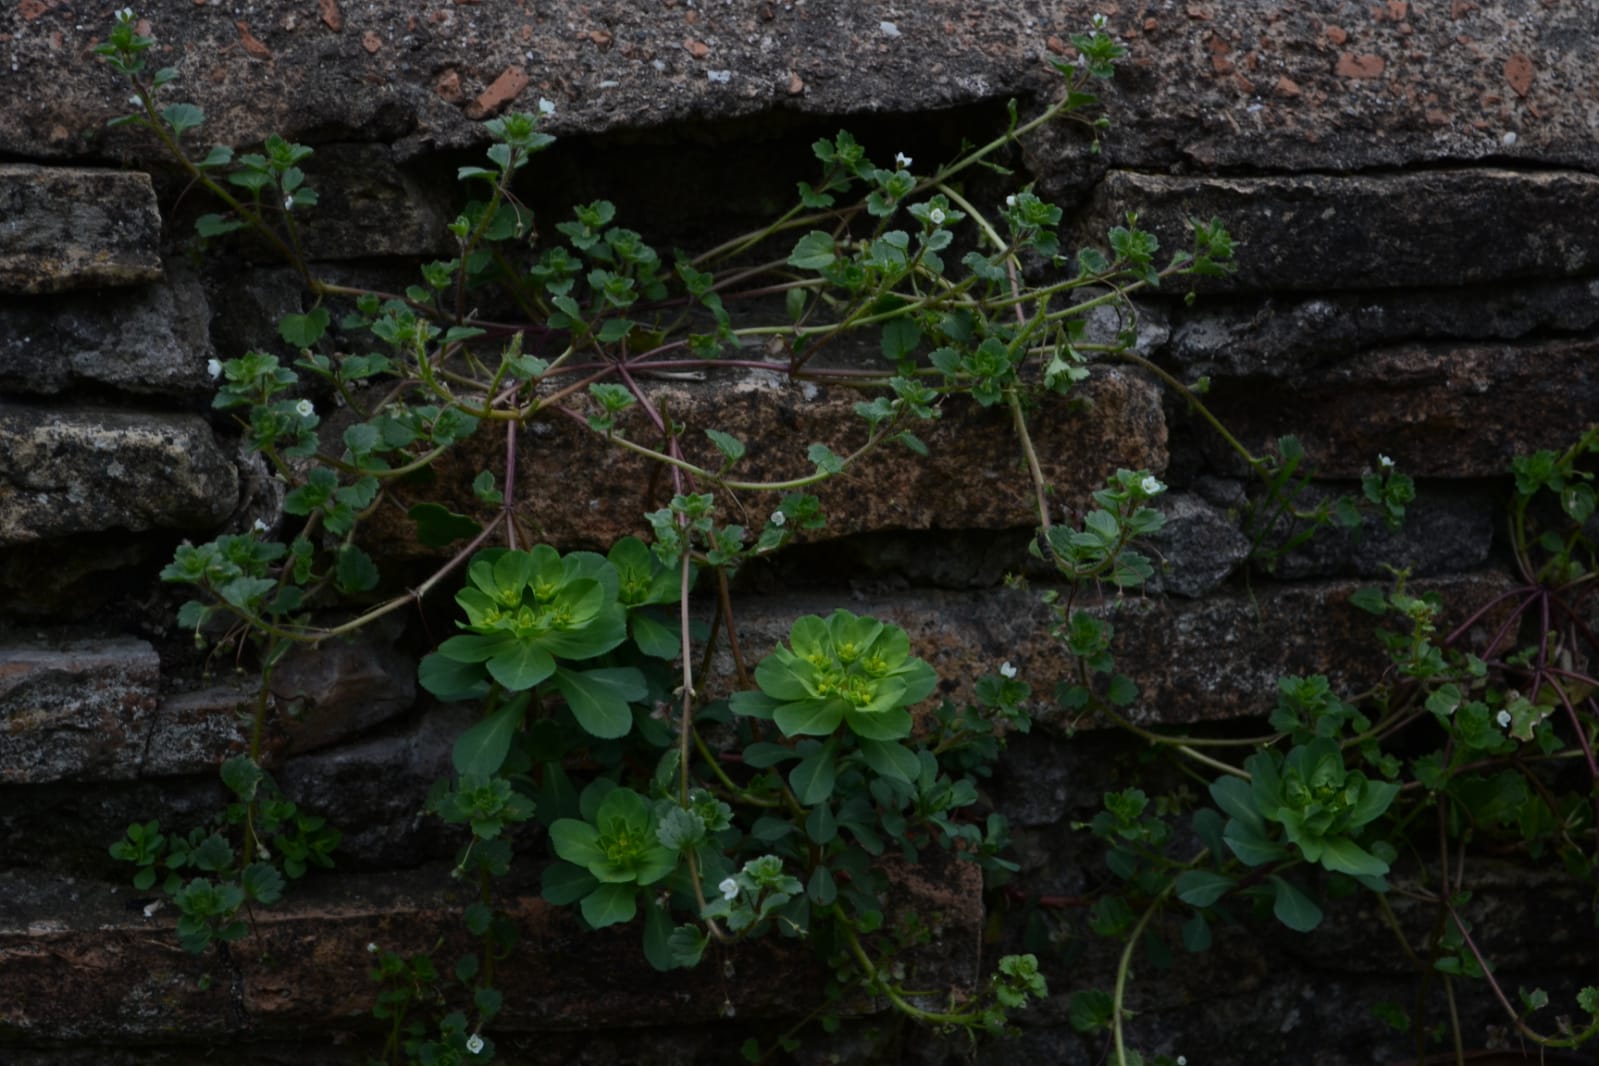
609	854
844	670
1320	804
524	611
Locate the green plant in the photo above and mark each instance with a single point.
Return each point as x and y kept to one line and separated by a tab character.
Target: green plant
778	809
1455	746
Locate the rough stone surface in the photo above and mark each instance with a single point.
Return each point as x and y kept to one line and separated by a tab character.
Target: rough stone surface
341	688
79	469
1317	231
1426	406
73	578
150	339
72	228
1280	337
306	963
78	710
368	206
319	696
1197	549
972	480
1210	659
1445	531
1309	85
1323	85
389	73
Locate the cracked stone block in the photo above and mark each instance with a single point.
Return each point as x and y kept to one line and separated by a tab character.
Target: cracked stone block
77	710
1282	337
579	490
80	469
1368	231
319	697
1193	660
1445	531
143	339
75	228
1197	549
304	965
1461	410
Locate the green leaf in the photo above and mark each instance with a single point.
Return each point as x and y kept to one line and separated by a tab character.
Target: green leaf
688	943
577	842
438	527
1292	907
1233	795
452	680
814	251
891	760
1251	844
810	718
1196	934
262	882
354	571
1201	888
243	776
563	883
182	117
729	445
820	825
601	699
1370	600
302	331
763	754
653	637
657	937
481	750
1342	855
520	665
614	329
900	337
610	905
812	780
821	888
1090	1010
1122	691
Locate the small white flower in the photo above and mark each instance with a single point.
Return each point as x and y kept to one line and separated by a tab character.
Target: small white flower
728	888
1010	201
546	107
288	203
936	216
1152	486
1182	1060
371	947
214	368
1503	718
474	1043
304	409
260	526
1385	462
1007	670
134	101
779	518
1099	22
125	15
902	160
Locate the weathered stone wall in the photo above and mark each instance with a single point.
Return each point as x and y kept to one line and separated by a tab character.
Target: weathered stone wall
1416	189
